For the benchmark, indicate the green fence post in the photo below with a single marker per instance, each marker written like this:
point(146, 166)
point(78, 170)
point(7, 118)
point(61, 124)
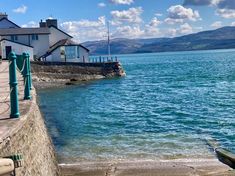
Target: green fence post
point(13, 87)
point(30, 74)
point(26, 78)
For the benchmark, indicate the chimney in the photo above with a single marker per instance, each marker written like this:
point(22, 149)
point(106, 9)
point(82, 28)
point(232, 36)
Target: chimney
point(42, 24)
point(51, 22)
point(3, 15)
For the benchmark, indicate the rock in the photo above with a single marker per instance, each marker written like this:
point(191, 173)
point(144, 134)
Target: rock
point(73, 80)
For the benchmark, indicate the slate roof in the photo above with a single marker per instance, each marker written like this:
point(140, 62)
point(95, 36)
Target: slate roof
point(4, 18)
point(65, 42)
point(15, 42)
point(61, 31)
point(24, 31)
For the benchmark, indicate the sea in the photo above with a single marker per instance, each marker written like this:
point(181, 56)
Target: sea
point(169, 106)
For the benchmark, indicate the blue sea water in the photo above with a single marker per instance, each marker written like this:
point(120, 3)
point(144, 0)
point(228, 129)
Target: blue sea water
point(167, 106)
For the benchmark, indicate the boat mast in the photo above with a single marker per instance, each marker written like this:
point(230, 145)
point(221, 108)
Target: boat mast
point(109, 49)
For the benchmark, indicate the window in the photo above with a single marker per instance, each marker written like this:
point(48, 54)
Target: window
point(70, 52)
point(34, 37)
point(14, 37)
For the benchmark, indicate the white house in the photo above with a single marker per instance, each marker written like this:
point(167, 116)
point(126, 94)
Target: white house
point(46, 42)
point(67, 51)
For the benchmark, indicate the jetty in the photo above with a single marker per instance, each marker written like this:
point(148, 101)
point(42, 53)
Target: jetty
point(177, 167)
point(51, 74)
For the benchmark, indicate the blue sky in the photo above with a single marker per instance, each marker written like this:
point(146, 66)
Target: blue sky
point(87, 19)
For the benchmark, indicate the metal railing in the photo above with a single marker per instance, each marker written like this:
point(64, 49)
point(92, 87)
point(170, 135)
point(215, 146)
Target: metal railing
point(103, 59)
point(22, 64)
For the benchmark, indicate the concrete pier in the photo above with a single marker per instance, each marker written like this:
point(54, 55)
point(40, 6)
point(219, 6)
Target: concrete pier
point(26, 135)
point(180, 167)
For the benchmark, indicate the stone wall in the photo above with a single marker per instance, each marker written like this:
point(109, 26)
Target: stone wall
point(30, 138)
point(78, 71)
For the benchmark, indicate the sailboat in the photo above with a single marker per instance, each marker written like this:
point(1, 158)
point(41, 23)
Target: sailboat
point(109, 47)
point(110, 58)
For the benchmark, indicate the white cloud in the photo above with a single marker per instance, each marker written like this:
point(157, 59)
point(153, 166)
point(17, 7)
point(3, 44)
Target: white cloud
point(178, 14)
point(86, 23)
point(185, 29)
point(22, 9)
point(125, 2)
point(225, 4)
point(151, 32)
point(154, 22)
point(233, 24)
point(225, 8)
point(158, 14)
point(101, 4)
point(30, 24)
point(85, 30)
point(216, 24)
point(198, 29)
point(173, 21)
point(128, 32)
point(151, 29)
point(171, 32)
point(132, 15)
point(226, 13)
point(136, 32)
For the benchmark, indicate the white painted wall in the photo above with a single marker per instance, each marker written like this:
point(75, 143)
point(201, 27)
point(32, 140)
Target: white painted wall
point(83, 53)
point(17, 48)
point(55, 56)
point(80, 52)
point(4, 24)
point(21, 39)
point(56, 36)
point(41, 46)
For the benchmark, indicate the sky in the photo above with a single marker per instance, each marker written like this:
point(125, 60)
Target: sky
point(87, 20)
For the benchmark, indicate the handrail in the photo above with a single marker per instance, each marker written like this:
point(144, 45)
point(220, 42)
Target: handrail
point(22, 64)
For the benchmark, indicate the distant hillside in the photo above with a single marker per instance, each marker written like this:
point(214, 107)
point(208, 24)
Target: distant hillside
point(222, 38)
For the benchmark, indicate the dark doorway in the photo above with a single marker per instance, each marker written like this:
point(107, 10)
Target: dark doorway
point(8, 51)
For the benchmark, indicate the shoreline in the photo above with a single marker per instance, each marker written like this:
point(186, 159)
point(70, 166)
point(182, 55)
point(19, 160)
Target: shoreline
point(41, 84)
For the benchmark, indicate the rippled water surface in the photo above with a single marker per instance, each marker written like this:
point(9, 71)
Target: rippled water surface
point(166, 107)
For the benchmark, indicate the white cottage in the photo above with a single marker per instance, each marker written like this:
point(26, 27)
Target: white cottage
point(67, 51)
point(47, 42)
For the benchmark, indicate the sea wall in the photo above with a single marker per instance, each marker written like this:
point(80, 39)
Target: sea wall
point(28, 136)
point(60, 72)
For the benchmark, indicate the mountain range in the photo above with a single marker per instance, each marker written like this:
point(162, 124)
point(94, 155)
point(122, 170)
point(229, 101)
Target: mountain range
point(222, 38)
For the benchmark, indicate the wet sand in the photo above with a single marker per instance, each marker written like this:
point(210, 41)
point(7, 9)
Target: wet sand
point(185, 167)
